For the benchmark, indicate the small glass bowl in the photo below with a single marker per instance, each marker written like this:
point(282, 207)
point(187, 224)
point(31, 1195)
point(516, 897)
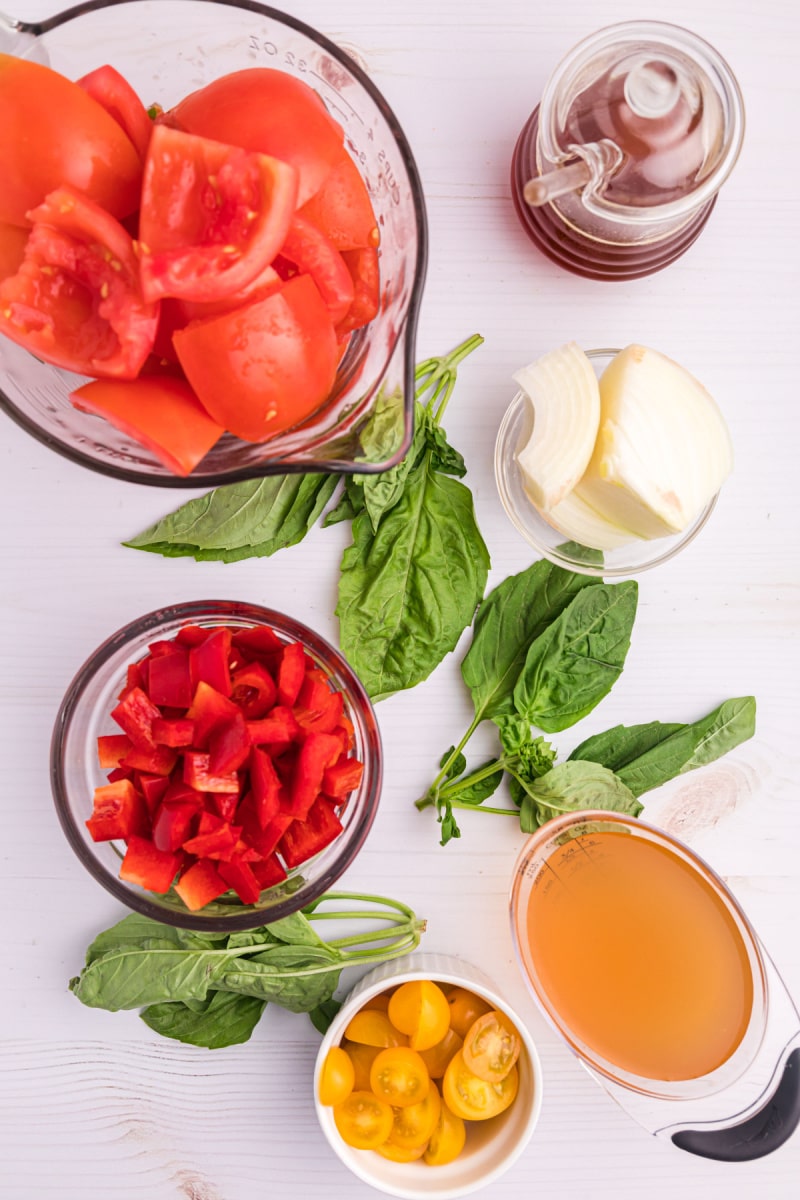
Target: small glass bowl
point(75, 773)
point(492, 1146)
point(526, 518)
point(166, 49)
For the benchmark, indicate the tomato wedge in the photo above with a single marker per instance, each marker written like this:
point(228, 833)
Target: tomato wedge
point(158, 411)
point(269, 111)
point(266, 366)
point(313, 254)
point(113, 93)
point(12, 248)
point(212, 217)
point(365, 271)
point(55, 134)
point(75, 300)
point(342, 209)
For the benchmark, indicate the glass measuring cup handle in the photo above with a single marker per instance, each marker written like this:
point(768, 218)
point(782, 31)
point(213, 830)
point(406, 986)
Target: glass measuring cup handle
point(761, 1133)
point(21, 39)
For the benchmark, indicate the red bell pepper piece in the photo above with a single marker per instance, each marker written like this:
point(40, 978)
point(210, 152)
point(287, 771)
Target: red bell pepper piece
point(318, 752)
point(254, 690)
point(135, 714)
point(269, 871)
point(214, 836)
point(179, 792)
point(172, 825)
point(239, 876)
point(229, 746)
point(278, 729)
point(111, 749)
point(133, 678)
point(197, 773)
point(318, 708)
point(208, 662)
point(260, 642)
point(208, 709)
point(342, 778)
point(291, 673)
point(148, 866)
point(266, 786)
point(266, 841)
point(153, 788)
point(175, 731)
point(119, 773)
point(118, 812)
point(169, 681)
point(191, 635)
point(225, 804)
point(303, 839)
point(159, 761)
point(200, 884)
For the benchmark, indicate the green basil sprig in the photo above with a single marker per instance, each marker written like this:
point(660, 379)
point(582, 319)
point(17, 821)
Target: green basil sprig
point(210, 989)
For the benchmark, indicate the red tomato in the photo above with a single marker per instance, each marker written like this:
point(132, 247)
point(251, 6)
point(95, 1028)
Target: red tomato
point(266, 366)
point(365, 272)
point(268, 111)
point(159, 412)
point(212, 216)
point(313, 254)
point(75, 300)
point(54, 134)
point(113, 93)
point(342, 208)
point(12, 248)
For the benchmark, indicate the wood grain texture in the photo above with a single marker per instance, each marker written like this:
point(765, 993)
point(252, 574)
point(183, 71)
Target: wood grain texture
point(92, 1105)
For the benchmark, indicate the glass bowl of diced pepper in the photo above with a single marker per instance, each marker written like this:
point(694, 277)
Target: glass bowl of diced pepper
point(216, 765)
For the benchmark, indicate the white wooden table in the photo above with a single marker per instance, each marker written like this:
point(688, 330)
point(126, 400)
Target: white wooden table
point(94, 1105)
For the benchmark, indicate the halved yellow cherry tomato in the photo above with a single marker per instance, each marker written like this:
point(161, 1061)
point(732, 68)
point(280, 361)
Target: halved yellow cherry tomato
point(447, 1140)
point(414, 1124)
point(437, 1058)
point(399, 1076)
point(419, 1008)
point(374, 1028)
point(364, 1121)
point(362, 1057)
point(380, 1003)
point(337, 1078)
point(472, 1098)
point(491, 1047)
point(400, 1153)
point(465, 1008)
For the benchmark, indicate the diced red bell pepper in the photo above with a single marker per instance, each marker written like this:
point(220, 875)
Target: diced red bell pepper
point(118, 812)
point(153, 788)
point(342, 778)
point(169, 680)
point(303, 839)
point(225, 804)
point(318, 708)
point(133, 678)
point(318, 752)
point(208, 709)
point(111, 749)
point(201, 884)
point(135, 714)
point(119, 773)
point(266, 841)
point(228, 746)
point(191, 635)
point(172, 825)
point(269, 871)
point(254, 690)
point(159, 761)
point(197, 774)
point(278, 729)
point(149, 867)
point(239, 876)
point(176, 731)
point(208, 662)
point(214, 836)
point(260, 642)
point(266, 786)
point(291, 673)
point(179, 792)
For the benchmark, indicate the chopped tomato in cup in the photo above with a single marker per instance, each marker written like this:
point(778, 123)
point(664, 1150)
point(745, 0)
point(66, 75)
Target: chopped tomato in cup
point(202, 801)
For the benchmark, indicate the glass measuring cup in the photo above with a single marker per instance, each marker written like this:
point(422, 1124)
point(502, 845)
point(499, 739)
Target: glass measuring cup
point(643, 961)
point(166, 49)
point(617, 170)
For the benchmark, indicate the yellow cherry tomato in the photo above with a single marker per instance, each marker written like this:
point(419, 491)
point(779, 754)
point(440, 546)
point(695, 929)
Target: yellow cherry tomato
point(414, 1124)
point(491, 1047)
point(437, 1058)
point(465, 1008)
point(472, 1098)
point(374, 1028)
point(362, 1058)
point(447, 1140)
point(419, 1008)
point(399, 1076)
point(337, 1077)
point(379, 1003)
point(401, 1154)
point(364, 1121)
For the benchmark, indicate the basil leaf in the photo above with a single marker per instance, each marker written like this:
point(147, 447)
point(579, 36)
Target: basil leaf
point(408, 590)
point(472, 790)
point(457, 767)
point(509, 619)
point(133, 976)
point(576, 661)
point(351, 503)
point(693, 745)
point(570, 787)
point(382, 434)
point(290, 976)
point(323, 1014)
point(622, 744)
point(444, 457)
point(295, 929)
point(252, 519)
point(227, 1020)
point(382, 492)
point(130, 931)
